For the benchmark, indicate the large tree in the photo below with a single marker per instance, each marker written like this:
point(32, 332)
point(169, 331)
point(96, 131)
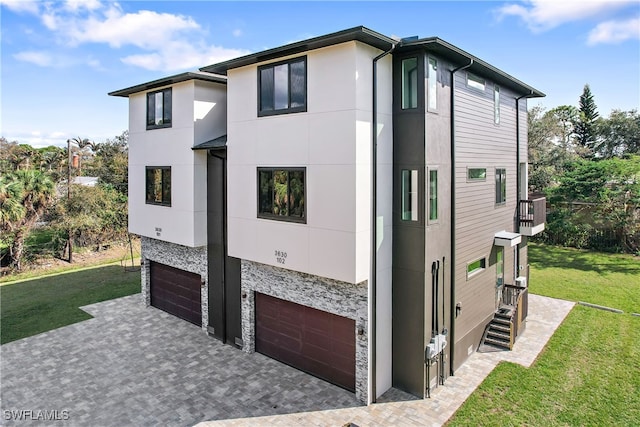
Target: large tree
point(585, 125)
point(619, 134)
point(25, 195)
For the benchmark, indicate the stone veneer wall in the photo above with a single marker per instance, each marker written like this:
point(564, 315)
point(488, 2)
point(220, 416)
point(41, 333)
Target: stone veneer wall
point(184, 258)
point(340, 298)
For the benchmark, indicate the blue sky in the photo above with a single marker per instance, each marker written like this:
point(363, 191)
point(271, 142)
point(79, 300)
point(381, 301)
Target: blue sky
point(60, 59)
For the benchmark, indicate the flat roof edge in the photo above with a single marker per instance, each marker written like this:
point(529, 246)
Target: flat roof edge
point(177, 78)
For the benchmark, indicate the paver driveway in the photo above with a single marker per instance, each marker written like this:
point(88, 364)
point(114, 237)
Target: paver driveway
point(131, 365)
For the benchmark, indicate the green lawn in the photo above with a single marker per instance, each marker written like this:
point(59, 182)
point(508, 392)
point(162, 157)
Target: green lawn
point(612, 280)
point(42, 304)
point(589, 373)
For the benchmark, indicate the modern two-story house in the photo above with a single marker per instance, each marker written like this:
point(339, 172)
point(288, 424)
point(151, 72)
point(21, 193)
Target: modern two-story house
point(352, 205)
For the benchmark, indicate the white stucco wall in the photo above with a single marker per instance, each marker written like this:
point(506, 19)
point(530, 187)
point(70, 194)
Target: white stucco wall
point(198, 114)
point(333, 141)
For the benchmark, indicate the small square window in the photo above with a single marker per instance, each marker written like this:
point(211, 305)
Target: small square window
point(282, 87)
point(159, 109)
point(476, 267)
point(475, 82)
point(158, 185)
point(476, 174)
point(281, 194)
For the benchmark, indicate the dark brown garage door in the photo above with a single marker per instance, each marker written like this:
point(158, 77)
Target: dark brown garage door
point(311, 340)
point(176, 291)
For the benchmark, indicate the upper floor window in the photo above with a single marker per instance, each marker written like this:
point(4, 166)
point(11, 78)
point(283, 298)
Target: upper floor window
point(475, 81)
point(159, 109)
point(158, 185)
point(496, 104)
point(433, 84)
point(281, 194)
point(409, 190)
point(282, 87)
point(476, 267)
point(501, 186)
point(409, 83)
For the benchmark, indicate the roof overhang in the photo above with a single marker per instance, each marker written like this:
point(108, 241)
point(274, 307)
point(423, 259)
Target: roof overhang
point(165, 81)
point(360, 33)
point(507, 239)
point(214, 144)
point(459, 57)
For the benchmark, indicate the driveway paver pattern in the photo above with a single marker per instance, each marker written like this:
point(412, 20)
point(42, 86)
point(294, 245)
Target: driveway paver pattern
point(132, 365)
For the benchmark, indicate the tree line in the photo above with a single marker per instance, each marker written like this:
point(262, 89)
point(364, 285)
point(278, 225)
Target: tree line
point(588, 166)
point(41, 201)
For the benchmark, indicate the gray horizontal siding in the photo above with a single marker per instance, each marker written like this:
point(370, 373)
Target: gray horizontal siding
point(481, 143)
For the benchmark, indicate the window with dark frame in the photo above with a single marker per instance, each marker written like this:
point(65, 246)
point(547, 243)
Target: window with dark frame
point(409, 202)
point(281, 194)
point(409, 83)
point(158, 185)
point(282, 87)
point(433, 84)
point(159, 109)
point(433, 195)
point(501, 186)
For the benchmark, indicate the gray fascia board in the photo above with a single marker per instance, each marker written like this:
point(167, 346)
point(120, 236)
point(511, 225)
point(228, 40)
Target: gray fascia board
point(360, 33)
point(460, 57)
point(165, 81)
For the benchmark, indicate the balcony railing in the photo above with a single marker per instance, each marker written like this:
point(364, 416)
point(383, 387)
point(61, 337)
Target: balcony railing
point(533, 214)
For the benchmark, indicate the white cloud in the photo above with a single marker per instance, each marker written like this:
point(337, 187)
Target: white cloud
point(615, 31)
point(542, 15)
point(21, 5)
point(237, 32)
point(43, 59)
point(181, 55)
point(165, 41)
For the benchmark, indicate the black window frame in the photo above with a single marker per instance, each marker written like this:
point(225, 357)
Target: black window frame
point(406, 86)
point(289, 109)
point(163, 191)
point(167, 107)
point(433, 214)
point(501, 186)
point(276, 217)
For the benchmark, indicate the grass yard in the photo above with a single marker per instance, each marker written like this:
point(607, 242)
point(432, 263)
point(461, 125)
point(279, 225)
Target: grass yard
point(589, 373)
point(41, 304)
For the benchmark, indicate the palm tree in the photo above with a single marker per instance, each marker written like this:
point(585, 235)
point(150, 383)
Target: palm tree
point(24, 196)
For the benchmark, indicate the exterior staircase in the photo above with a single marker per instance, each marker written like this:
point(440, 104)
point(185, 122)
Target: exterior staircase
point(509, 319)
point(498, 332)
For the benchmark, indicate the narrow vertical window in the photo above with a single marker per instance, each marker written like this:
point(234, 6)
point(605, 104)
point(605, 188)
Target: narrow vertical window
point(433, 84)
point(409, 83)
point(433, 194)
point(496, 104)
point(500, 266)
point(159, 109)
point(501, 186)
point(409, 195)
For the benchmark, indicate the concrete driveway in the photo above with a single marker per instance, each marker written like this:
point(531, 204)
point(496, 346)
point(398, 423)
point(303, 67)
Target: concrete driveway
point(132, 365)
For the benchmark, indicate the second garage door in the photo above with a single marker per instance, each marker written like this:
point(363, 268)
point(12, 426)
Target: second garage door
point(314, 341)
point(176, 291)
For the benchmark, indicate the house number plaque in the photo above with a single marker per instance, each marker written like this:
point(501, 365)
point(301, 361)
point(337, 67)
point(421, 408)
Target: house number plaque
point(281, 256)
